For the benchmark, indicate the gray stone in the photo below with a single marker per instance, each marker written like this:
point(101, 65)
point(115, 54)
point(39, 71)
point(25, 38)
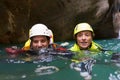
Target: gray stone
point(61, 16)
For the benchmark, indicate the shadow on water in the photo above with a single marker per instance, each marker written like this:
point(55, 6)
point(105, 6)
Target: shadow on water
point(59, 69)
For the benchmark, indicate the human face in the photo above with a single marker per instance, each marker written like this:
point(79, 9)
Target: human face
point(39, 42)
point(84, 39)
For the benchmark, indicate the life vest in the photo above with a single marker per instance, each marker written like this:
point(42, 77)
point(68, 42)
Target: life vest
point(57, 47)
point(27, 45)
point(94, 47)
point(79, 57)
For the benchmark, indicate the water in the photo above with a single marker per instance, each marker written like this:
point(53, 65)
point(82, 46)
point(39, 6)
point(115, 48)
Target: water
point(103, 69)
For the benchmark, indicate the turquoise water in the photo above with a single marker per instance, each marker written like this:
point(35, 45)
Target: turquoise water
point(103, 69)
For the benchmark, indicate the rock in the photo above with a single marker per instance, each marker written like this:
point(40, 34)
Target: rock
point(60, 16)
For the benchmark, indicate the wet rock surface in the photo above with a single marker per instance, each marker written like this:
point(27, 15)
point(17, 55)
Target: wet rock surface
point(60, 16)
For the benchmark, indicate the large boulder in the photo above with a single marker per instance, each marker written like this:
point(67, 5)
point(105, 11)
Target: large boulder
point(61, 16)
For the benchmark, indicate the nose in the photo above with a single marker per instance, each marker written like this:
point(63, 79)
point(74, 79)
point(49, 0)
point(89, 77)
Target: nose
point(39, 45)
point(83, 37)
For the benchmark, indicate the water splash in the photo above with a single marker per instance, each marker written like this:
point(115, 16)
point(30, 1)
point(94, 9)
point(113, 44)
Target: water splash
point(114, 76)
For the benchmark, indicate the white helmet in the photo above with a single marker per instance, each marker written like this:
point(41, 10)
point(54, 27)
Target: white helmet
point(39, 29)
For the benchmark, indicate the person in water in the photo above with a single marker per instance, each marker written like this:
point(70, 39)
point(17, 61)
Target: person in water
point(40, 41)
point(39, 30)
point(39, 37)
point(28, 42)
point(83, 46)
point(83, 35)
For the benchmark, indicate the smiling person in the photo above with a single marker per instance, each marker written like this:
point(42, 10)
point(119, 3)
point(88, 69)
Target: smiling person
point(83, 47)
point(36, 30)
point(41, 45)
point(39, 37)
point(83, 34)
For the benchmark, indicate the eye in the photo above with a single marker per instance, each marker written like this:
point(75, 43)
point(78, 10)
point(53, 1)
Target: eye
point(87, 34)
point(79, 35)
point(43, 41)
point(35, 41)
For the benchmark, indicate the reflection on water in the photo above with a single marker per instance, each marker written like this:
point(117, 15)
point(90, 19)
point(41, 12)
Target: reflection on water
point(114, 76)
point(45, 70)
point(59, 69)
point(85, 68)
